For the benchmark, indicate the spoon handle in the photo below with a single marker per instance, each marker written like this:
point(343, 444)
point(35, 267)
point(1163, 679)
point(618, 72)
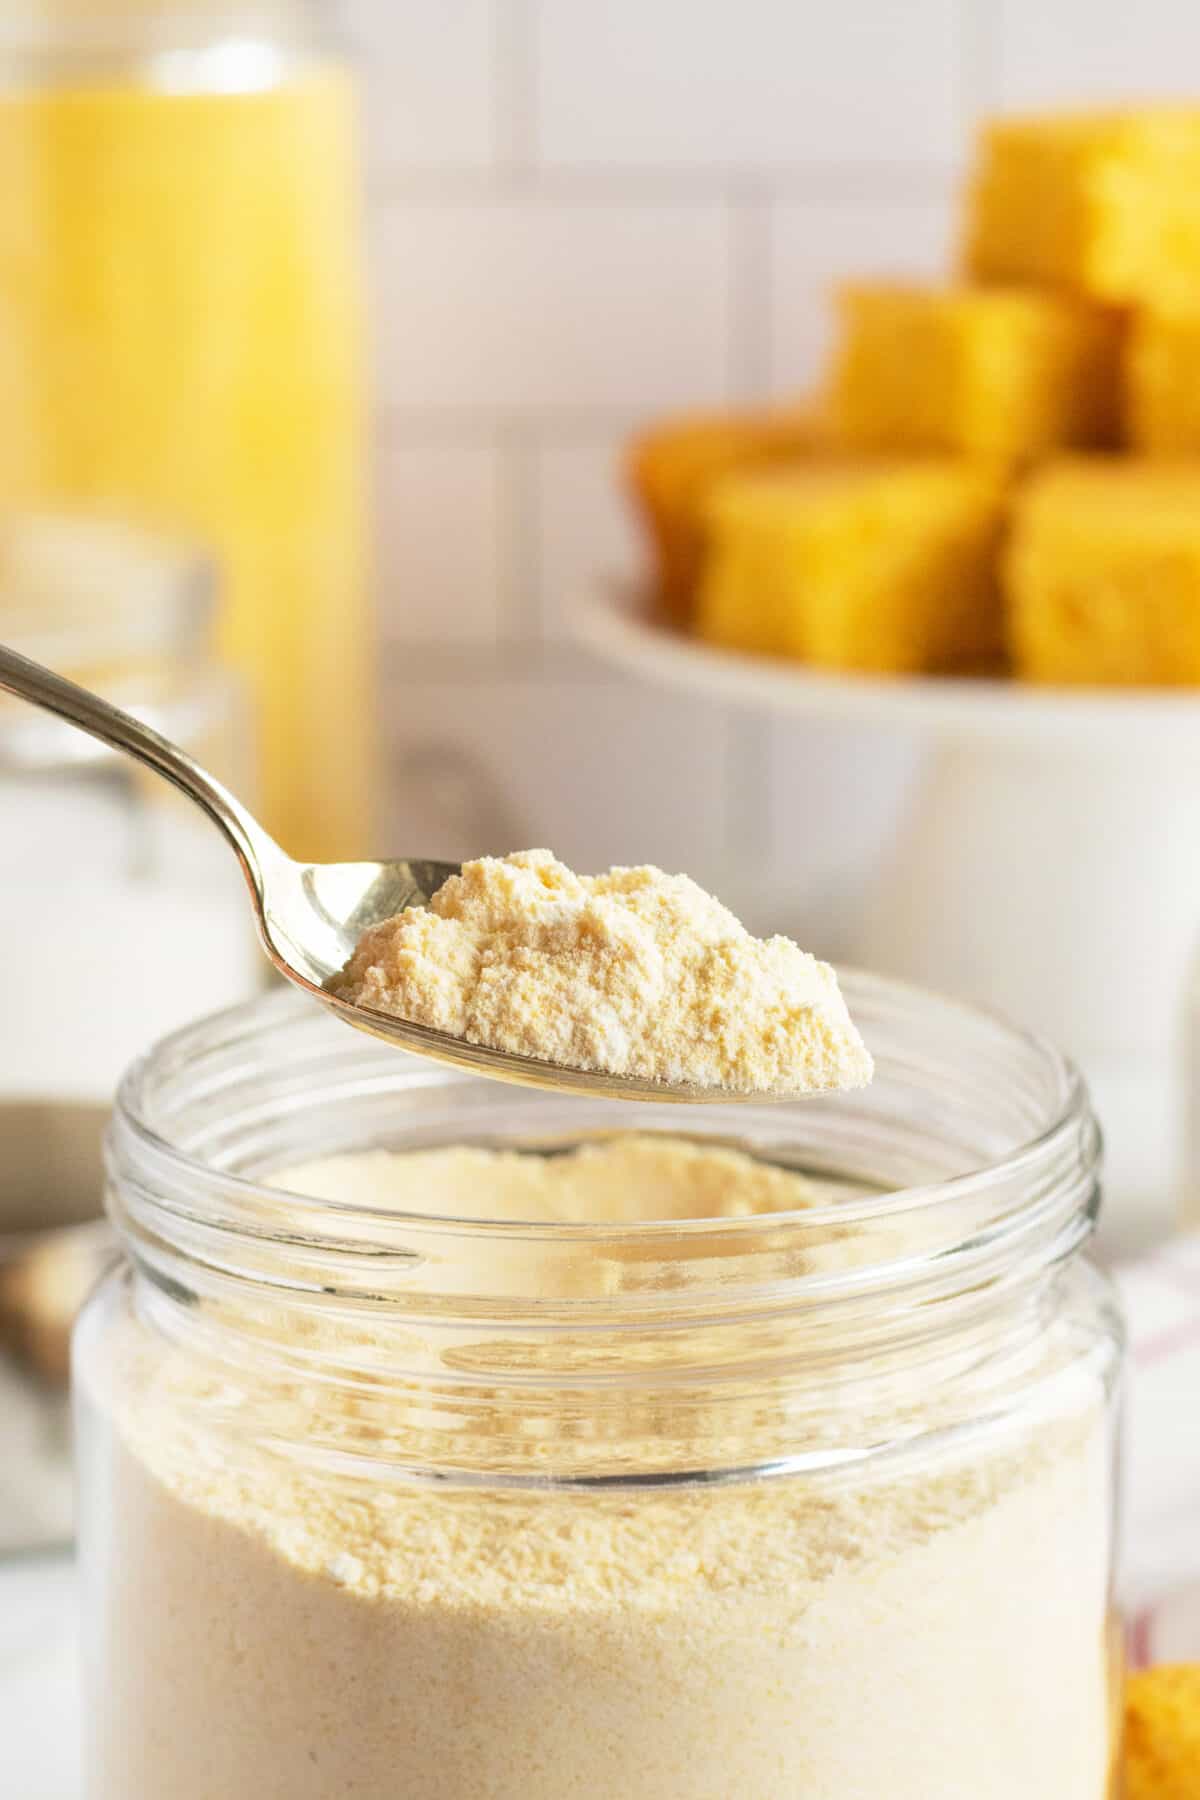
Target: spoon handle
point(30, 681)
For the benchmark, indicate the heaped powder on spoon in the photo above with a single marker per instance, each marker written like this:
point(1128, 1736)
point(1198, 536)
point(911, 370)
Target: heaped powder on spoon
point(634, 972)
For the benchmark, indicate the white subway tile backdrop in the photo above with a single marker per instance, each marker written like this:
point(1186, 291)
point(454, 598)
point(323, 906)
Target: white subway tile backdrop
point(584, 525)
point(1092, 50)
point(489, 761)
point(530, 306)
point(760, 84)
point(430, 71)
point(442, 526)
point(587, 211)
point(816, 243)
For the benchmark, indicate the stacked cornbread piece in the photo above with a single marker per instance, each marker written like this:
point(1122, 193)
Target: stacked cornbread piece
point(1003, 469)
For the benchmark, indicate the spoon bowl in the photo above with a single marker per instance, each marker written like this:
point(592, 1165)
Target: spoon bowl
point(337, 902)
point(310, 916)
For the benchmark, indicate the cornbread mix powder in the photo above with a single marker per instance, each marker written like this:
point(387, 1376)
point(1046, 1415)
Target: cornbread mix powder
point(631, 973)
point(274, 1633)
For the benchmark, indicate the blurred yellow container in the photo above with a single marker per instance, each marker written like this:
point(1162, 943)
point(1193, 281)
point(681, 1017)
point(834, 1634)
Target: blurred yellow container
point(181, 342)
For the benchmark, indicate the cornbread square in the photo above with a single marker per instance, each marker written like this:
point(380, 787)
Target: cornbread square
point(1102, 573)
point(1162, 383)
point(671, 470)
point(1162, 1732)
point(1106, 203)
point(1004, 372)
point(885, 567)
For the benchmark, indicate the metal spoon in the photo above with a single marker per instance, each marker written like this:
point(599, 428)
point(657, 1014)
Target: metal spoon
point(310, 916)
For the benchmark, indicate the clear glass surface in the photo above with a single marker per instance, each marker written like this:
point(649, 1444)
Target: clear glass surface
point(121, 916)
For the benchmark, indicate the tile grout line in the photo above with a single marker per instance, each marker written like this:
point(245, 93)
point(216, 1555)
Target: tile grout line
point(745, 833)
point(467, 427)
point(519, 602)
point(979, 56)
point(481, 664)
point(517, 167)
point(748, 210)
point(515, 95)
point(747, 829)
point(767, 258)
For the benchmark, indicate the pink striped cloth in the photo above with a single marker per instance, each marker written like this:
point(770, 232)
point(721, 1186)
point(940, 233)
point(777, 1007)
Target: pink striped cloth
point(1160, 1579)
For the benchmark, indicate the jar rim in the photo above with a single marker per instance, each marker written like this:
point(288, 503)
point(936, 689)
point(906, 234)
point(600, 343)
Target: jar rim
point(462, 1341)
point(179, 1179)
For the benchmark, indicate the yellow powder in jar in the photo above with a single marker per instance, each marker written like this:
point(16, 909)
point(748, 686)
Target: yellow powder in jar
point(278, 1628)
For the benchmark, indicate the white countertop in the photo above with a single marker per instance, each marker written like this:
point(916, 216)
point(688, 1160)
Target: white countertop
point(39, 1689)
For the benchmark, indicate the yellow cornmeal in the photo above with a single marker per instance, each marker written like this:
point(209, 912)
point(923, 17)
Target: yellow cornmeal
point(610, 1180)
point(630, 973)
point(276, 1633)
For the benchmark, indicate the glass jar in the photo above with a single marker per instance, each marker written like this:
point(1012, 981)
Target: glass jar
point(181, 340)
point(452, 1498)
point(122, 915)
